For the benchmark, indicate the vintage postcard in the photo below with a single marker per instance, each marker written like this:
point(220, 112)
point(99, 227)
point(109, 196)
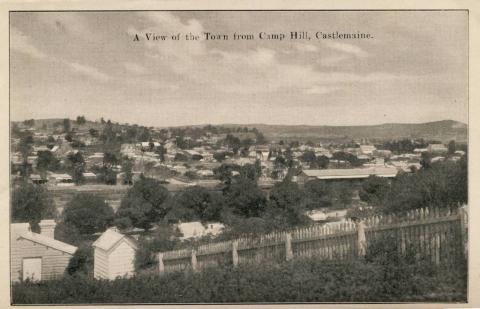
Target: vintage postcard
point(239, 157)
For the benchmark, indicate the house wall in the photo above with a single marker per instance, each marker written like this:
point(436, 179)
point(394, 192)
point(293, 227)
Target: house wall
point(100, 264)
point(121, 260)
point(54, 261)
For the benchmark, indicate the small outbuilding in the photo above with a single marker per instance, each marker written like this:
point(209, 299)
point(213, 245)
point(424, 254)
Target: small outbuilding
point(114, 255)
point(38, 256)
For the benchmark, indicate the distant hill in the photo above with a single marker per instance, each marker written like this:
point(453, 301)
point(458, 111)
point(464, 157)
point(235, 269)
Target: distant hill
point(444, 130)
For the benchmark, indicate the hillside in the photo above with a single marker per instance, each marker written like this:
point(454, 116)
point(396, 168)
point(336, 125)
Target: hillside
point(444, 130)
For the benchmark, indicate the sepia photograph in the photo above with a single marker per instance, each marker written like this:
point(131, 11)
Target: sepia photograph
point(238, 157)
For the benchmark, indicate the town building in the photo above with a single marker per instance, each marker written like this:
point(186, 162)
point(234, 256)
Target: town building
point(346, 174)
point(437, 148)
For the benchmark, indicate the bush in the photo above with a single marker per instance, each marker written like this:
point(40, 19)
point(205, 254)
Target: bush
point(302, 280)
point(81, 261)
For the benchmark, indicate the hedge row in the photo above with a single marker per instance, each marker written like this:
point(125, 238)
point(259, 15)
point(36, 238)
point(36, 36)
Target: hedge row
point(297, 281)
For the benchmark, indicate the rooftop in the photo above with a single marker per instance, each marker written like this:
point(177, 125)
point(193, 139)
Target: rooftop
point(352, 173)
point(49, 242)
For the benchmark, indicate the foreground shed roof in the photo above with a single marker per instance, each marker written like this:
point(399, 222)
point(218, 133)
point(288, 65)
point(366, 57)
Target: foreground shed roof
point(49, 242)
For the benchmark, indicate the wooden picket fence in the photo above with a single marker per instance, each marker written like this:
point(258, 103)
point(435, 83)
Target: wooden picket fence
point(435, 234)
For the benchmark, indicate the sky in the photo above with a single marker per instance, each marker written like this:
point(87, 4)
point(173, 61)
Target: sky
point(413, 69)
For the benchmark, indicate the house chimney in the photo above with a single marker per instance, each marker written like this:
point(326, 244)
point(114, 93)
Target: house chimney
point(18, 229)
point(47, 228)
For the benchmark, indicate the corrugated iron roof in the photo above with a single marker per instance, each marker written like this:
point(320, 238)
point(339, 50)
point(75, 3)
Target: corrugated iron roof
point(49, 242)
point(352, 172)
point(109, 239)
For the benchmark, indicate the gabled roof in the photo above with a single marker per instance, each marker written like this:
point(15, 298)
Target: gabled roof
point(109, 239)
point(191, 229)
point(49, 242)
point(352, 173)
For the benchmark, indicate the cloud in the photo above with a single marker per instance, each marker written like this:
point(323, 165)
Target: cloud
point(71, 23)
point(21, 43)
point(332, 60)
point(179, 54)
point(347, 48)
point(87, 71)
point(320, 89)
point(134, 68)
point(261, 71)
point(245, 71)
point(306, 47)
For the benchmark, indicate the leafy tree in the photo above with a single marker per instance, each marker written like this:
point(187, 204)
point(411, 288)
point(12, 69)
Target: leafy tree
point(195, 203)
point(47, 161)
point(180, 157)
point(225, 173)
point(308, 156)
point(341, 193)
point(443, 184)
point(245, 198)
point(25, 147)
point(197, 157)
point(77, 166)
point(93, 132)
point(322, 162)
point(162, 239)
point(452, 147)
point(317, 194)
point(374, 190)
point(426, 160)
point(69, 137)
point(29, 122)
point(191, 175)
point(66, 125)
point(233, 142)
point(109, 162)
point(219, 156)
point(161, 151)
point(108, 134)
point(31, 203)
point(88, 213)
point(237, 227)
point(144, 204)
point(77, 144)
point(68, 234)
point(81, 120)
point(286, 205)
point(280, 163)
point(81, 262)
point(127, 169)
point(348, 157)
point(251, 171)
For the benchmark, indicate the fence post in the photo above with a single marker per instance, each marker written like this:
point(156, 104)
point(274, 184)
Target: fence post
point(161, 266)
point(288, 247)
point(235, 253)
point(361, 239)
point(194, 260)
point(463, 214)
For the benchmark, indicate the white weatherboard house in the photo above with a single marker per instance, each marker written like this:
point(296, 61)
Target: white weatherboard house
point(37, 256)
point(114, 255)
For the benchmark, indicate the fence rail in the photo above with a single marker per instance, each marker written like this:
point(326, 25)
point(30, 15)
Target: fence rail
point(439, 235)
